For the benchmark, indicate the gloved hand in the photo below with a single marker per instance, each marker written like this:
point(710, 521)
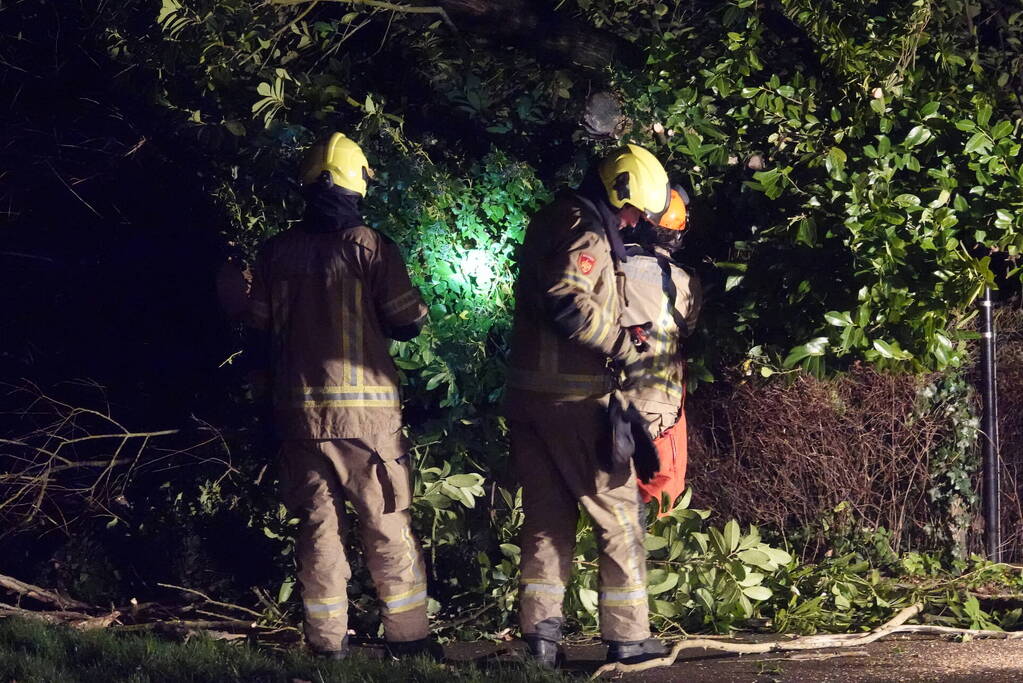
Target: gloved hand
point(630, 439)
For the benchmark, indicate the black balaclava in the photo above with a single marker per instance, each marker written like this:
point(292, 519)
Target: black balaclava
point(329, 208)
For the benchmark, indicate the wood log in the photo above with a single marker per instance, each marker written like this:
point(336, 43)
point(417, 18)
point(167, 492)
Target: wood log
point(41, 594)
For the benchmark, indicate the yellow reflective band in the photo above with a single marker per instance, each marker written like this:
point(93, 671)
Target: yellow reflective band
point(324, 613)
point(317, 397)
point(352, 403)
point(319, 391)
point(410, 606)
point(403, 602)
point(577, 282)
point(622, 596)
point(398, 596)
point(623, 603)
point(596, 329)
point(325, 601)
point(550, 588)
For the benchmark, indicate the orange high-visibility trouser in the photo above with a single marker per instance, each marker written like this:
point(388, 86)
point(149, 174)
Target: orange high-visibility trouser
point(317, 477)
point(555, 456)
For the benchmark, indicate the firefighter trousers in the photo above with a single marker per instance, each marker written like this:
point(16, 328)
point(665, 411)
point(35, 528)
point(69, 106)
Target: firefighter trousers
point(555, 455)
point(317, 477)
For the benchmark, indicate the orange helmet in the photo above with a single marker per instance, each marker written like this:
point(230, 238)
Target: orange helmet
point(674, 218)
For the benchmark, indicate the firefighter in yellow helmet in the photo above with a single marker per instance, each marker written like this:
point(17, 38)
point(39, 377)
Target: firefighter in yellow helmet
point(328, 294)
point(567, 349)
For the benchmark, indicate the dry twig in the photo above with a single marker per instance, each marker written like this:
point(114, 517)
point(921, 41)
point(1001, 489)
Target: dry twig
point(71, 458)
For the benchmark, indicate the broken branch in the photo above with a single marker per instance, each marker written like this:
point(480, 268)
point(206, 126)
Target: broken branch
point(805, 643)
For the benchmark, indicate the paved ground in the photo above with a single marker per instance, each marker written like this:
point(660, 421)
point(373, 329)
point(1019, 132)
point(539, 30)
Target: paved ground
point(896, 659)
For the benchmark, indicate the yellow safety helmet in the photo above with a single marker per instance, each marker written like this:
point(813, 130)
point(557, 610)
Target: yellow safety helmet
point(632, 175)
point(342, 158)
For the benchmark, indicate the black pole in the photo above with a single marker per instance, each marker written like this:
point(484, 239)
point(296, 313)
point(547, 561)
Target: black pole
point(992, 474)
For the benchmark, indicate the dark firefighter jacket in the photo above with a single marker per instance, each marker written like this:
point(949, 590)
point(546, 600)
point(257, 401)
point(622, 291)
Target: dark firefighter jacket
point(566, 325)
point(330, 300)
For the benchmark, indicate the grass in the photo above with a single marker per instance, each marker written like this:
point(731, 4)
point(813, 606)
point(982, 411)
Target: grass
point(34, 652)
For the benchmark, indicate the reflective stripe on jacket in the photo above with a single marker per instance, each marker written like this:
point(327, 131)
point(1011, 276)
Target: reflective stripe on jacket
point(328, 300)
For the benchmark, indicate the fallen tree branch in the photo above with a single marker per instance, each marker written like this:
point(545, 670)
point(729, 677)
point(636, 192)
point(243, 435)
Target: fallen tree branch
point(211, 601)
point(49, 616)
point(41, 594)
point(804, 643)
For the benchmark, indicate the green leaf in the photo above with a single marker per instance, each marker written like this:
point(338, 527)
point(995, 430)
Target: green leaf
point(652, 542)
point(979, 141)
point(588, 599)
point(752, 579)
point(669, 581)
point(285, 591)
point(731, 535)
point(718, 540)
point(814, 347)
point(705, 598)
point(665, 609)
point(757, 558)
point(463, 481)
point(778, 556)
point(839, 318)
point(916, 136)
point(1001, 129)
point(757, 592)
point(891, 350)
point(984, 114)
point(510, 550)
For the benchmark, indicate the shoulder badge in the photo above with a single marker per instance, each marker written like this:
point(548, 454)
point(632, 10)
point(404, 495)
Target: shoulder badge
point(586, 263)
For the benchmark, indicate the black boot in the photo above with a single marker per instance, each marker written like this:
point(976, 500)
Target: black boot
point(424, 647)
point(544, 652)
point(334, 654)
point(635, 651)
